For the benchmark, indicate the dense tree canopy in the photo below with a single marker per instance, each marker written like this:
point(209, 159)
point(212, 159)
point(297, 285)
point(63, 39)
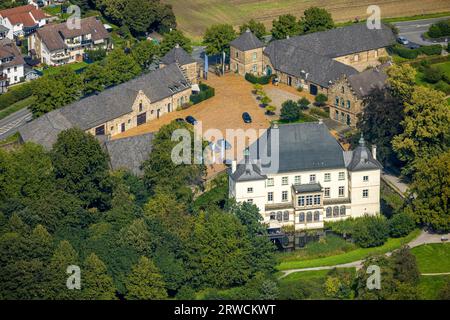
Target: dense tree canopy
point(217, 38)
point(285, 25)
point(257, 28)
point(316, 19)
point(172, 38)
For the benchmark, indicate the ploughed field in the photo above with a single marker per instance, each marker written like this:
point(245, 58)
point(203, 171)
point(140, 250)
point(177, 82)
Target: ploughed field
point(194, 16)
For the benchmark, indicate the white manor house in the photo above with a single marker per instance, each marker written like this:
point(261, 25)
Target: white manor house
point(315, 180)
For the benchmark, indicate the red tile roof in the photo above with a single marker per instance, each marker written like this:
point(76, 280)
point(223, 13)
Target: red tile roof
point(24, 15)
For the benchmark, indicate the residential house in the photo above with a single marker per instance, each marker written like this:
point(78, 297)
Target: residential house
point(116, 109)
point(246, 54)
point(11, 63)
point(314, 61)
point(346, 95)
point(57, 44)
point(315, 180)
point(21, 21)
point(187, 64)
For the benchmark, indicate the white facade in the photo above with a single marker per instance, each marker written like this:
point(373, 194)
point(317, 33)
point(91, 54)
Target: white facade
point(307, 198)
point(13, 73)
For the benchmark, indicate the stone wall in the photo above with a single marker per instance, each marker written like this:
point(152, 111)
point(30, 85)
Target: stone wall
point(344, 104)
point(243, 62)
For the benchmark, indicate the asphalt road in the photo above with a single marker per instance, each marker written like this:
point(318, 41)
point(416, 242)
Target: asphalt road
point(413, 30)
point(12, 123)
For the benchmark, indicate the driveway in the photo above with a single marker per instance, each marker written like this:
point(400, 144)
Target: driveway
point(233, 96)
point(413, 30)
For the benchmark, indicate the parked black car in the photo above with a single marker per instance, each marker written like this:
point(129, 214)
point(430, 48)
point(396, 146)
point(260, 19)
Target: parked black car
point(179, 120)
point(246, 117)
point(191, 120)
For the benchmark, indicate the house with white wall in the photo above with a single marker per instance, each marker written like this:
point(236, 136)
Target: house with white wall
point(314, 181)
point(57, 44)
point(11, 63)
point(21, 21)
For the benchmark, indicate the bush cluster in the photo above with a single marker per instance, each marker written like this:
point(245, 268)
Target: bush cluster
point(15, 94)
point(260, 80)
point(373, 231)
point(206, 92)
point(440, 29)
point(406, 53)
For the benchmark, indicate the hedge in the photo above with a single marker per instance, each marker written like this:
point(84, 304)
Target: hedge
point(406, 53)
point(254, 79)
point(15, 94)
point(206, 92)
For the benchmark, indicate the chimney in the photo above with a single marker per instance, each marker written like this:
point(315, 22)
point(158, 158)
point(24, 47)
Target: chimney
point(287, 37)
point(374, 151)
point(320, 121)
point(233, 166)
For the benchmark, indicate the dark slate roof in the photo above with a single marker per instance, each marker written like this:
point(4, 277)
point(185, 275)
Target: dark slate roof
point(363, 83)
point(247, 41)
point(247, 172)
point(129, 153)
point(307, 188)
point(313, 53)
point(45, 129)
point(107, 105)
point(301, 147)
point(344, 40)
point(177, 55)
point(361, 159)
point(293, 60)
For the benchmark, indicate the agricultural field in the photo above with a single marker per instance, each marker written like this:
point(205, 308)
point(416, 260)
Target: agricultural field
point(193, 16)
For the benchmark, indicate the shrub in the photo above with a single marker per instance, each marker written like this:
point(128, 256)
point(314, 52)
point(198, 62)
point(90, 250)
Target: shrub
point(370, 231)
point(434, 49)
point(265, 100)
point(319, 112)
point(259, 80)
point(401, 224)
point(206, 92)
point(443, 86)
point(290, 111)
point(320, 99)
point(270, 110)
point(15, 94)
point(433, 74)
point(439, 29)
point(404, 52)
point(96, 55)
point(303, 103)
point(448, 47)
point(384, 59)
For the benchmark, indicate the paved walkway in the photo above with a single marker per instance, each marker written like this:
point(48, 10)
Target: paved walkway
point(395, 182)
point(423, 238)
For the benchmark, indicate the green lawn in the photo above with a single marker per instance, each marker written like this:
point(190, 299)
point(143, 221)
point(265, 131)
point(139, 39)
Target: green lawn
point(74, 66)
point(328, 246)
point(303, 275)
point(448, 101)
point(354, 255)
point(430, 286)
point(433, 258)
point(16, 107)
point(444, 66)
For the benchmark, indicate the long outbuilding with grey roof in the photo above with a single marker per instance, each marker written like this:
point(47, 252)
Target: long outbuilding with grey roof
point(116, 109)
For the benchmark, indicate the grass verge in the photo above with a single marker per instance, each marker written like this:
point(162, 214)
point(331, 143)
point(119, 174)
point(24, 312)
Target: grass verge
point(354, 255)
point(431, 286)
point(16, 107)
point(433, 258)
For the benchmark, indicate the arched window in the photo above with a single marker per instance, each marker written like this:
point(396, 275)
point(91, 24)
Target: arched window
point(309, 216)
point(273, 216)
point(342, 210)
point(280, 216)
point(342, 89)
point(328, 211)
point(348, 104)
point(336, 102)
point(316, 215)
point(301, 217)
point(342, 102)
point(336, 211)
point(286, 216)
